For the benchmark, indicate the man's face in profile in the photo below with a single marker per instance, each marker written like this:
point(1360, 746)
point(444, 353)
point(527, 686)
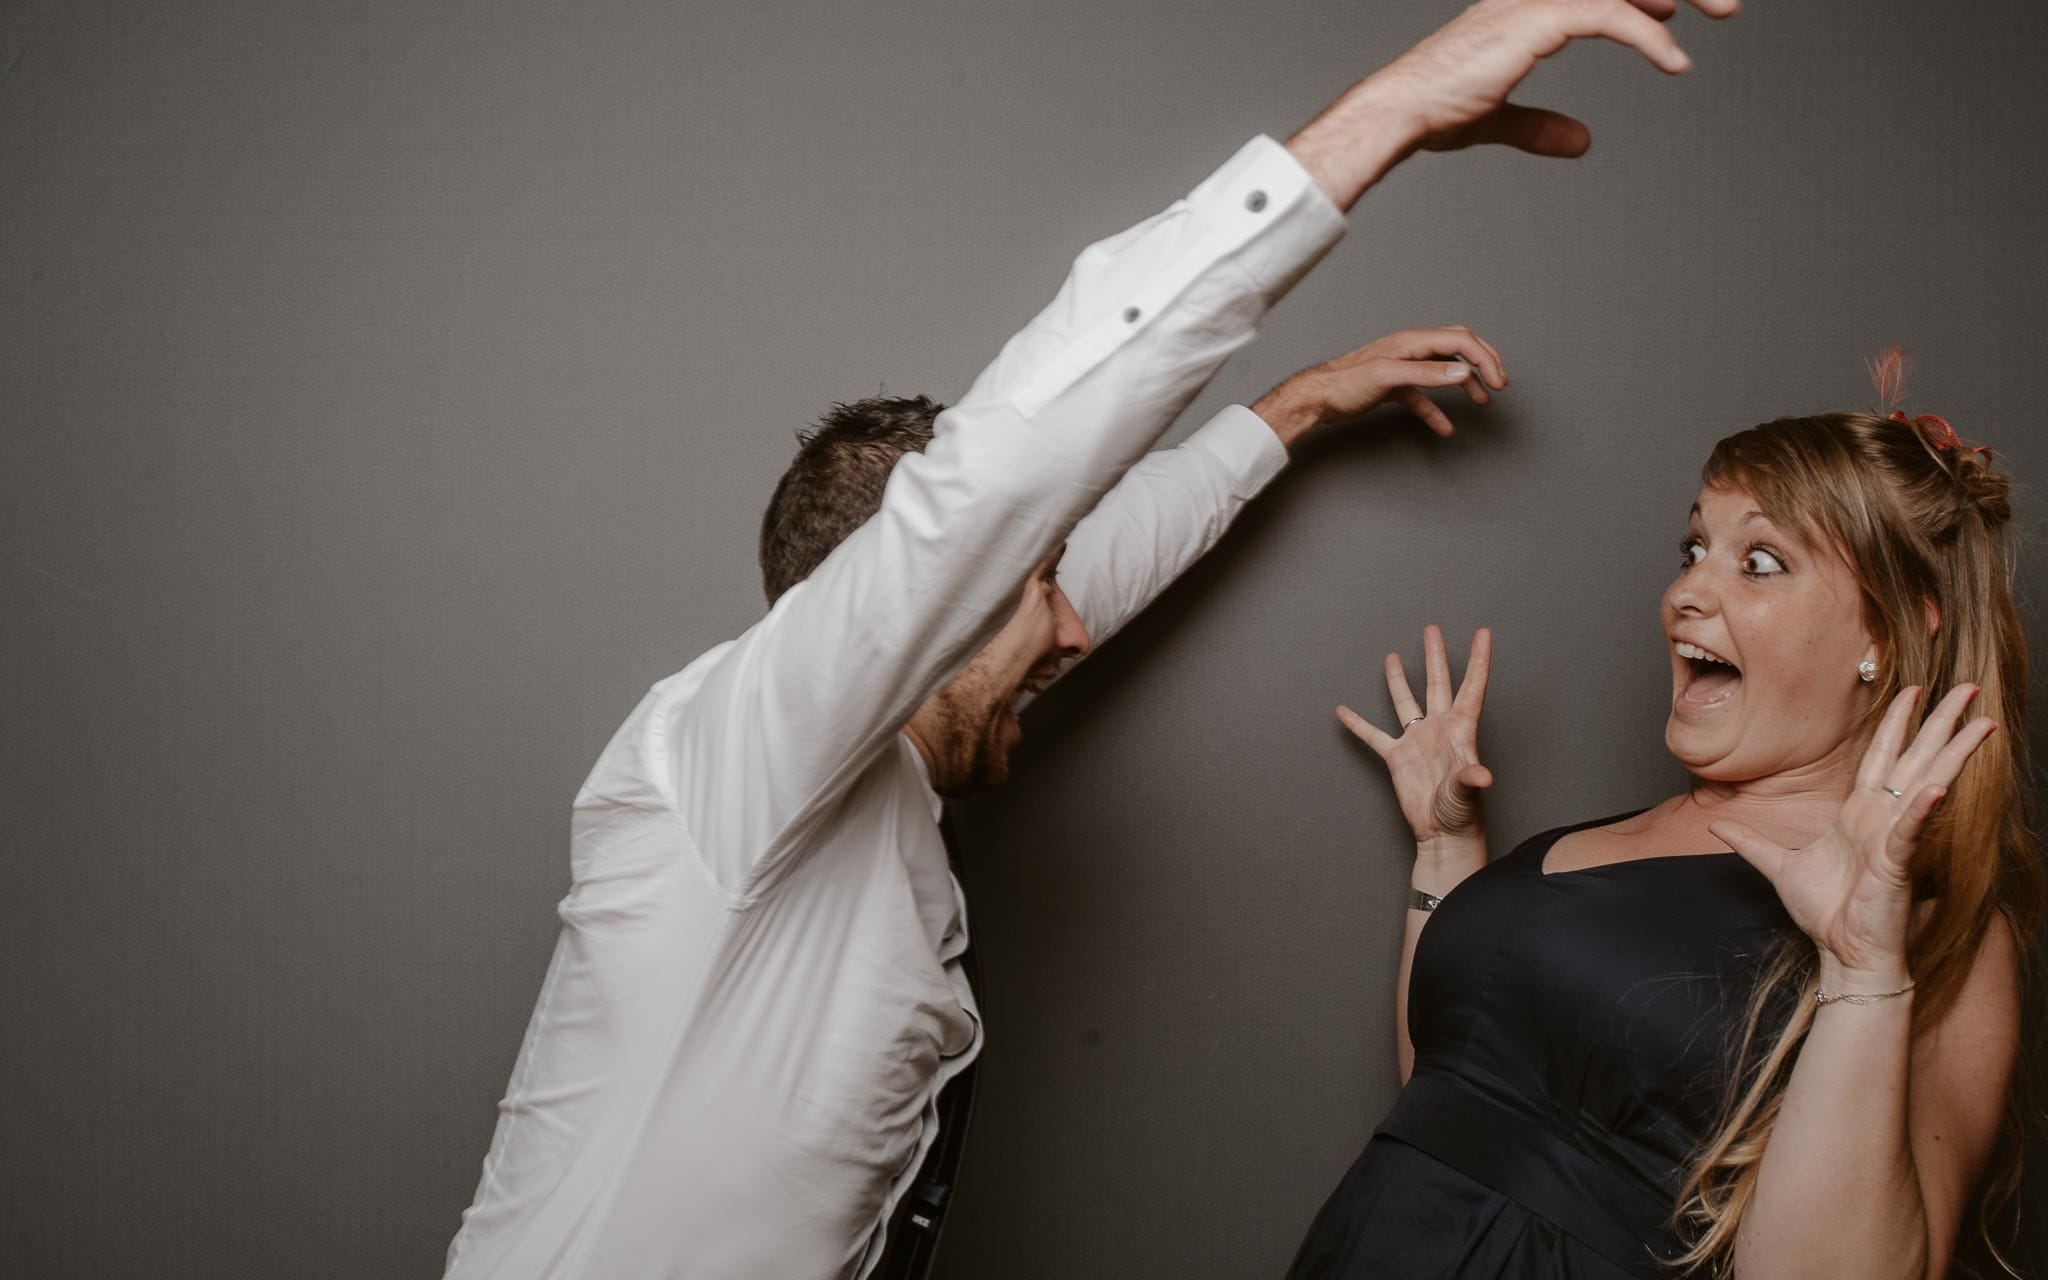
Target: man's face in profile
point(968, 728)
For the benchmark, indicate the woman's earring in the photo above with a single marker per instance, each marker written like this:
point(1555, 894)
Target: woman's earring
point(1866, 670)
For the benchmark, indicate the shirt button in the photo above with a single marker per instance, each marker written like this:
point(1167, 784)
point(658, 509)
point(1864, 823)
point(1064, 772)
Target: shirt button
point(1131, 315)
point(1256, 201)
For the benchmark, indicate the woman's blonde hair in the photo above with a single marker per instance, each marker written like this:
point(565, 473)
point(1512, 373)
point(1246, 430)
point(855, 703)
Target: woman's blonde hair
point(1920, 518)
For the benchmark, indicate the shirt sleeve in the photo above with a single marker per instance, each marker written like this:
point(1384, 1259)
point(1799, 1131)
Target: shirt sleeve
point(1165, 514)
point(754, 743)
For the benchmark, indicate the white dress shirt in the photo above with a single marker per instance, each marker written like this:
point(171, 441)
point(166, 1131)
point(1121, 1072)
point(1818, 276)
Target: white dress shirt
point(732, 1067)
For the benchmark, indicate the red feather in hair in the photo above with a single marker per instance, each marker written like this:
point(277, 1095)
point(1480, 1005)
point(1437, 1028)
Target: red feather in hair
point(1888, 373)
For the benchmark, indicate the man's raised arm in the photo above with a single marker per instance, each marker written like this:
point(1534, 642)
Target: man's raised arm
point(1175, 504)
point(752, 744)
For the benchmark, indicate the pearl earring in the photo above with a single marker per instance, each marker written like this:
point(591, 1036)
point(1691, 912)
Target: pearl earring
point(1866, 671)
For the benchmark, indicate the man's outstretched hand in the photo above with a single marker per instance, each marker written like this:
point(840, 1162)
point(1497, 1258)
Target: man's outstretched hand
point(1396, 368)
point(1451, 90)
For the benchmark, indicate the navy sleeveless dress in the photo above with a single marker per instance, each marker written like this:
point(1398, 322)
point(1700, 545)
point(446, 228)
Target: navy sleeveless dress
point(1572, 1039)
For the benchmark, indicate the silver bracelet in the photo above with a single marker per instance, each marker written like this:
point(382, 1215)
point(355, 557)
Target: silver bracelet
point(1857, 997)
point(1420, 901)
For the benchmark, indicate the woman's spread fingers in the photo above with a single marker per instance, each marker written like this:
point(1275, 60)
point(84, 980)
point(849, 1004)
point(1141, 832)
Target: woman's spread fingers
point(1883, 751)
point(1397, 687)
point(1436, 665)
point(1472, 693)
point(1754, 848)
point(1949, 761)
point(1935, 733)
point(1365, 731)
point(1906, 831)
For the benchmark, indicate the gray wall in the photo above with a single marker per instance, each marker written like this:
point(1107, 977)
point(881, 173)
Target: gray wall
point(389, 392)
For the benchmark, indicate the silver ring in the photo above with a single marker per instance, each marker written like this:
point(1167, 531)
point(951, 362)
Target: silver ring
point(1417, 720)
point(1896, 795)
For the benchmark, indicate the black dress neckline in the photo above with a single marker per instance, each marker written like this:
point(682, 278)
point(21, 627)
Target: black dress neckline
point(1542, 845)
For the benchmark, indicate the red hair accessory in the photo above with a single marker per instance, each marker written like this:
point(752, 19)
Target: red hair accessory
point(1888, 374)
point(1935, 429)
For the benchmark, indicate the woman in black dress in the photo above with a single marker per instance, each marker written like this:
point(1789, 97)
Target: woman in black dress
point(1769, 1026)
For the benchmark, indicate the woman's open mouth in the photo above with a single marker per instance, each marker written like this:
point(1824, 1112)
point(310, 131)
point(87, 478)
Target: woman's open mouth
point(1711, 681)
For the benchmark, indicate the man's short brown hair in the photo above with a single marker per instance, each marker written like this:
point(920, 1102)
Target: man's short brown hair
point(836, 482)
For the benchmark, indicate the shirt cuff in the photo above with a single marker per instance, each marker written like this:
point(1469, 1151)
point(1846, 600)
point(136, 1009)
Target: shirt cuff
point(1264, 183)
point(1246, 446)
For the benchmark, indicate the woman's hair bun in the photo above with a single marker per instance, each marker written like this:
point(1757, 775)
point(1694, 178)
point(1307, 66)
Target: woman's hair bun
point(1980, 487)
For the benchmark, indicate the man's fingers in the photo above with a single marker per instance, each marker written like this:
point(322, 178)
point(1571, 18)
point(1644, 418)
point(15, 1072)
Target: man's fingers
point(1625, 23)
point(1451, 340)
point(1365, 731)
point(1424, 408)
point(1498, 373)
point(1531, 129)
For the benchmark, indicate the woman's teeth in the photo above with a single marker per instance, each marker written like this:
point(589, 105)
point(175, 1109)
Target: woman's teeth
point(1698, 654)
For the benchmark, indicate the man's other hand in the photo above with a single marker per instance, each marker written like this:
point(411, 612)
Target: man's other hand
point(1396, 368)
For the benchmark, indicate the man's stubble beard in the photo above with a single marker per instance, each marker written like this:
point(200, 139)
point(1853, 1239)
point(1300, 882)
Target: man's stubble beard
point(969, 755)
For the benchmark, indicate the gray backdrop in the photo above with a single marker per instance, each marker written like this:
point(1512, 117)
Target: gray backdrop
point(390, 391)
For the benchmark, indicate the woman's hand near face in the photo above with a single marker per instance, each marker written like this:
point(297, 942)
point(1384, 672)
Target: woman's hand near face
point(1849, 890)
point(1434, 760)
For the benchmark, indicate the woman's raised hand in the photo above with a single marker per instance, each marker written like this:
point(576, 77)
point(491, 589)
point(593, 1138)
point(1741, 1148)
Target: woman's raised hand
point(1850, 889)
point(1434, 760)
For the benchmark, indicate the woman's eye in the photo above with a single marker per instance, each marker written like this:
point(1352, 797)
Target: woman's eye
point(1761, 562)
point(1690, 552)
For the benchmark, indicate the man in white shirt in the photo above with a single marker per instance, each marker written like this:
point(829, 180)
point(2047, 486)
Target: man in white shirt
point(756, 997)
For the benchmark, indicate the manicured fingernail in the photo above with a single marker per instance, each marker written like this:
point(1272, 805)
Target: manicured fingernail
point(1457, 372)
